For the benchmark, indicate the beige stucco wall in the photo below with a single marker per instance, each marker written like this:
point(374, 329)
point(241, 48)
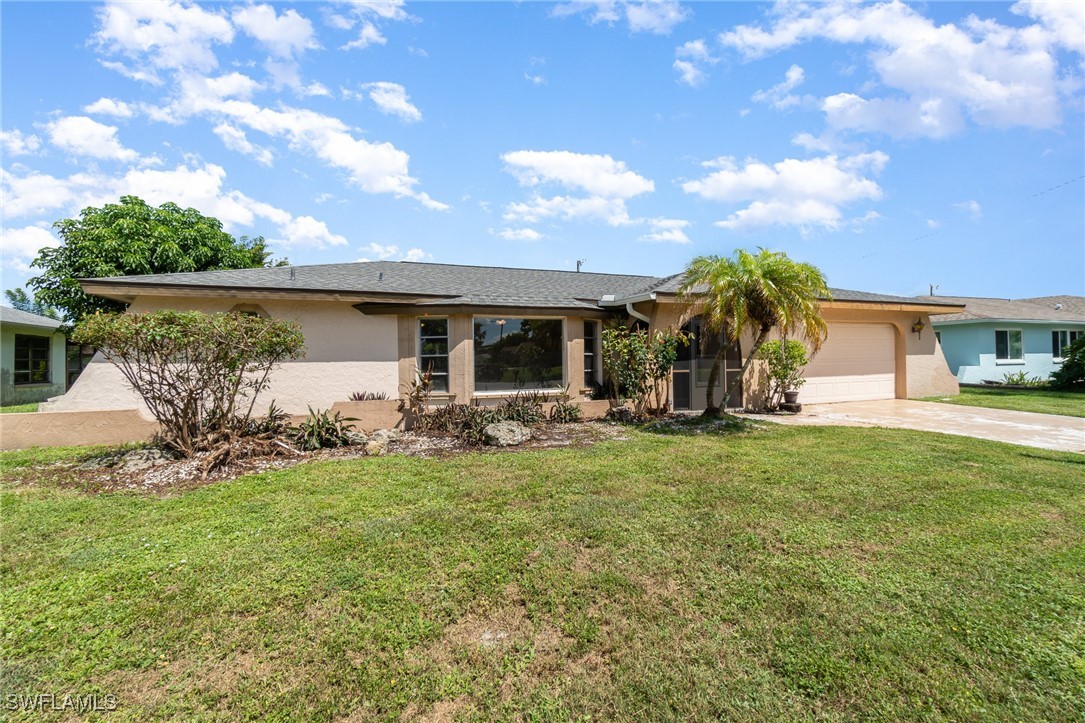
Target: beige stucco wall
point(346, 352)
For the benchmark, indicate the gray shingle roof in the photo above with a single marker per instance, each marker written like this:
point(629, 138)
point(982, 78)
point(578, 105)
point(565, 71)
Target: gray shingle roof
point(9, 315)
point(449, 284)
point(1036, 309)
point(670, 285)
point(444, 283)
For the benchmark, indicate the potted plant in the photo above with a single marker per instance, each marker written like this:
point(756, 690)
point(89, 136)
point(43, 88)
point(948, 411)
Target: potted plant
point(784, 362)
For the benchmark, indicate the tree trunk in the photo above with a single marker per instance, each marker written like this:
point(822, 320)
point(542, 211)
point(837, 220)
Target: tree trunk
point(764, 332)
point(711, 410)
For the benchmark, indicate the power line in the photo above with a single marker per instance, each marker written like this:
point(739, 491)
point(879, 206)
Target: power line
point(1064, 183)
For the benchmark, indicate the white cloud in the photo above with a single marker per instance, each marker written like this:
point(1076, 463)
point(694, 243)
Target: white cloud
point(15, 143)
point(372, 167)
point(810, 142)
point(935, 74)
point(597, 174)
point(307, 231)
point(143, 76)
point(779, 96)
point(111, 107)
point(391, 99)
point(19, 246)
point(202, 188)
point(392, 253)
point(690, 60)
point(283, 35)
point(667, 230)
point(804, 194)
point(975, 211)
point(367, 14)
point(519, 234)
point(85, 137)
point(236, 140)
point(535, 79)
point(933, 223)
point(1064, 21)
point(657, 16)
point(607, 183)
point(165, 35)
point(652, 16)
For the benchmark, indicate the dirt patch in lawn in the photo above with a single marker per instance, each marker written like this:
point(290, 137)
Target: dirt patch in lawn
point(93, 476)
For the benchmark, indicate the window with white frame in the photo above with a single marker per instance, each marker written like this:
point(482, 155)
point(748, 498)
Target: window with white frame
point(591, 352)
point(1062, 338)
point(513, 354)
point(433, 352)
point(1008, 345)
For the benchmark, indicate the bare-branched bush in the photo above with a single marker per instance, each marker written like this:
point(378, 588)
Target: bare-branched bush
point(199, 374)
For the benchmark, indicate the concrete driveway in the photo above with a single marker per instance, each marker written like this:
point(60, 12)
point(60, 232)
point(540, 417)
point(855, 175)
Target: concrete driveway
point(1047, 431)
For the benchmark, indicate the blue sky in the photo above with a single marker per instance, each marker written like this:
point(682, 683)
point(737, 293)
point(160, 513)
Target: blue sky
point(893, 145)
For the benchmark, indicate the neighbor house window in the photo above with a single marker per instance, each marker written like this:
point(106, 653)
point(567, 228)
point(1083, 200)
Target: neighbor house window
point(514, 354)
point(433, 351)
point(591, 353)
point(1062, 339)
point(1008, 345)
point(31, 359)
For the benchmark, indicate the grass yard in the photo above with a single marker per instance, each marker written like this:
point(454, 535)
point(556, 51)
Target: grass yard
point(793, 572)
point(19, 408)
point(1043, 401)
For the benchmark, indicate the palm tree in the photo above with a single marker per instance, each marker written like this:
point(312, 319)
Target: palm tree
point(762, 292)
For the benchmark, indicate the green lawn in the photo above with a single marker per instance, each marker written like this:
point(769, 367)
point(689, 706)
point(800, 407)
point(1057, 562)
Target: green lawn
point(19, 408)
point(1044, 401)
point(793, 572)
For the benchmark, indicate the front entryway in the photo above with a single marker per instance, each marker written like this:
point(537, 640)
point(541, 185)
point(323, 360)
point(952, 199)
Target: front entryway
point(694, 364)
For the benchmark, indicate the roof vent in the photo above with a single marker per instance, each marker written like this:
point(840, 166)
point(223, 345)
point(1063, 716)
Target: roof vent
point(291, 273)
point(380, 276)
point(1058, 307)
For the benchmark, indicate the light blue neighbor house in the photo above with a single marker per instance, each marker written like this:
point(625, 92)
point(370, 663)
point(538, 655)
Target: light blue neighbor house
point(995, 337)
point(33, 357)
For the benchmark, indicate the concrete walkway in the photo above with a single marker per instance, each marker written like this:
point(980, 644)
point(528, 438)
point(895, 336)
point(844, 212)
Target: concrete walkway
point(1047, 431)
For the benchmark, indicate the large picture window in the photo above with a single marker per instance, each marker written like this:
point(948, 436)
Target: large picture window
point(514, 354)
point(1008, 345)
point(31, 359)
point(433, 351)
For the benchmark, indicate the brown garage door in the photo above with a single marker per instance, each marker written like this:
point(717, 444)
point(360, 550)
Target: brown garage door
point(857, 362)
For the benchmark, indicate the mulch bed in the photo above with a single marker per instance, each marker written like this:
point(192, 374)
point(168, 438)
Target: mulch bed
point(180, 475)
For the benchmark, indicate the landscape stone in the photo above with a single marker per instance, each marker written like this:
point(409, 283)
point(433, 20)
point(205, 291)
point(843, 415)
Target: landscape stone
point(506, 434)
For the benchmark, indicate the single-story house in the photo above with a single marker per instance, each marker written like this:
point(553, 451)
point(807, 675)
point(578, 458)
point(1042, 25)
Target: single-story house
point(991, 338)
point(32, 357)
point(486, 332)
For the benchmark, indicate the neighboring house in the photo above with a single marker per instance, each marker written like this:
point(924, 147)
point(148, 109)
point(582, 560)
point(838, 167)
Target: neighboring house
point(487, 332)
point(32, 357)
point(995, 337)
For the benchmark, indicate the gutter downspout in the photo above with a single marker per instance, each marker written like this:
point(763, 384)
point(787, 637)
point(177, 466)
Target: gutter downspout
point(636, 314)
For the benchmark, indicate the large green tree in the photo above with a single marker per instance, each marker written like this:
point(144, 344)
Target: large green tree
point(754, 292)
point(129, 238)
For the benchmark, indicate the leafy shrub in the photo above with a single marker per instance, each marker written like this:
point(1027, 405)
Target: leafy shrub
point(199, 374)
point(368, 396)
point(323, 431)
point(467, 422)
point(564, 411)
point(524, 407)
point(275, 422)
point(1021, 379)
point(784, 361)
point(638, 365)
point(1071, 375)
point(417, 393)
